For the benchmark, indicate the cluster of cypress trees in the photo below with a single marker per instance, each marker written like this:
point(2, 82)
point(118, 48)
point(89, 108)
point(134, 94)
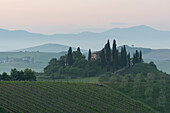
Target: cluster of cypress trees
point(137, 57)
point(114, 60)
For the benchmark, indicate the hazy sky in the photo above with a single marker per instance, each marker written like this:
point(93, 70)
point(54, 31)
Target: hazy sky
point(72, 16)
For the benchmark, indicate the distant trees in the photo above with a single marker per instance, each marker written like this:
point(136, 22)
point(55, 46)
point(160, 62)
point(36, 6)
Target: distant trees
point(114, 56)
point(89, 55)
point(16, 75)
point(137, 57)
point(128, 60)
point(115, 60)
point(69, 57)
point(73, 64)
point(108, 55)
point(5, 77)
point(103, 58)
point(107, 60)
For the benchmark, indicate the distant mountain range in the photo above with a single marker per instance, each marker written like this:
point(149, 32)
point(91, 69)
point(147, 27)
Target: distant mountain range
point(50, 48)
point(143, 36)
point(139, 35)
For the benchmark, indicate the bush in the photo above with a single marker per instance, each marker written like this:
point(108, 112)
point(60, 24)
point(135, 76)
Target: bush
point(104, 78)
point(152, 64)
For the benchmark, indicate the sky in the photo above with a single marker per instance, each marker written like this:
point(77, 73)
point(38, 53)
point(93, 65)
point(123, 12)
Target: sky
point(74, 16)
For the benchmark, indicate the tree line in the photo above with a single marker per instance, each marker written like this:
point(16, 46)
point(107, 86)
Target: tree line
point(75, 64)
point(115, 60)
point(15, 75)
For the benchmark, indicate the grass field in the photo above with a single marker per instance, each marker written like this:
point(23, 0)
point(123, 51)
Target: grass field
point(53, 96)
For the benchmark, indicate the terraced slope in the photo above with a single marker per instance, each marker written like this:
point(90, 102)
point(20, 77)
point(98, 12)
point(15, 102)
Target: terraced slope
point(52, 97)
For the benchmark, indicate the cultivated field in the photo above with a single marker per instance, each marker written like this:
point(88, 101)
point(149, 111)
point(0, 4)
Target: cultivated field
point(55, 96)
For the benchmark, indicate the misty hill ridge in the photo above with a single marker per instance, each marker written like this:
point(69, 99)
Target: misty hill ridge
point(50, 47)
point(139, 35)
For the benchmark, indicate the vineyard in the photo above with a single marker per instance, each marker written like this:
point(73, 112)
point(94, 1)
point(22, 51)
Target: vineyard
point(54, 96)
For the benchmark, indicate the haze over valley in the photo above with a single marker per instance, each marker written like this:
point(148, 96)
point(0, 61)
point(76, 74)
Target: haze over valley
point(139, 36)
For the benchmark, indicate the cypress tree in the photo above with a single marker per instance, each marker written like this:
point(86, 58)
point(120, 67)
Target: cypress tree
point(125, 56)
point(122, 57)
point(128, 59)
point(114, 52)
point(89, 55)
point(134, 59)
point(69, 57)
point(78, 49)
point(137, 56)
point(78, 53)
point(140, 56)
point(108, 55)
point(116, 59)
point(103, 58)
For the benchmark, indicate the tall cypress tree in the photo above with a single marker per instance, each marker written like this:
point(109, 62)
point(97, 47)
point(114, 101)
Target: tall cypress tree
point(69, 57)
point(140, 56)
point(108, 55)
point(89, 55)
point(128, 59)
point(78, 49)
point(137, 56)
point(124, 56)
point(103, 58)
point(134, 59)
point(114, 58)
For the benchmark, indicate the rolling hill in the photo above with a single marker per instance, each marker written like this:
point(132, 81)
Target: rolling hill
point(159, 56)
point(51, 48)
point(142, 82)
point(41, 59)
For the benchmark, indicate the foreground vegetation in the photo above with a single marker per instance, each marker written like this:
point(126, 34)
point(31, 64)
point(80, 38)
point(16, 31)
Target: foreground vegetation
point(3, 110)
point(143, 82)
point(15, 75)
point(65, 97)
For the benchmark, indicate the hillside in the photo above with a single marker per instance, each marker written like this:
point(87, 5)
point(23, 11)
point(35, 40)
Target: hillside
point(65, 97)
point(159, 56)
point(140, 68)
point(41, 59)
point(142, 82)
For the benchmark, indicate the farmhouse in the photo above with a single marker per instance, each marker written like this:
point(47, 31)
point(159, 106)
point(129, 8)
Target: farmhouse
point(96, 55)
